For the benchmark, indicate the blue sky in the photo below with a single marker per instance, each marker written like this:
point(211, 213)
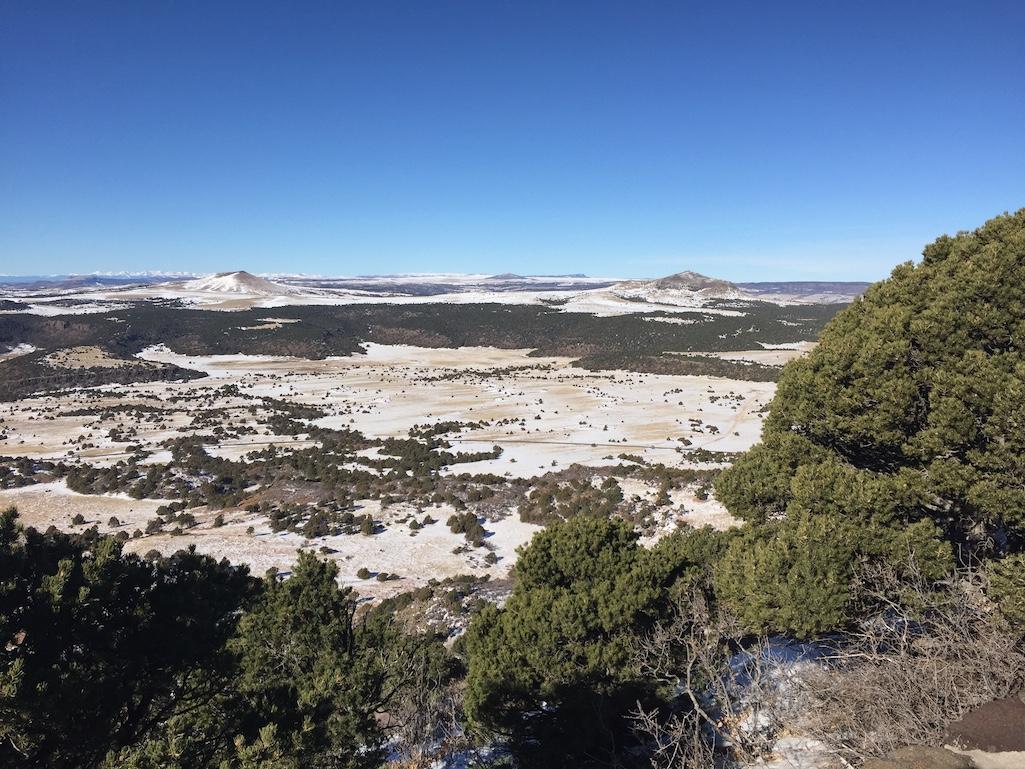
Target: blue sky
point(755, 140)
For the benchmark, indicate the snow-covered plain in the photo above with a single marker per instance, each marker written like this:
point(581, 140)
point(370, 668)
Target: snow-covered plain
point(563, 414)
point(544, 413)
point(415, 556)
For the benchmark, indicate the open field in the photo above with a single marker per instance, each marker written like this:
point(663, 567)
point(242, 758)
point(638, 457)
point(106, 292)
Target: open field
point(558, 413)
point(545, 415)
point(415, 557)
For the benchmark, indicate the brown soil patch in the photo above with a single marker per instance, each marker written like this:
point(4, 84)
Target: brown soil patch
point(996, 727)
point(87, 357)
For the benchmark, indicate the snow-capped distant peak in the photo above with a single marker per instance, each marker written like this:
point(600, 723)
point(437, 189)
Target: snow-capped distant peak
point(240, 282)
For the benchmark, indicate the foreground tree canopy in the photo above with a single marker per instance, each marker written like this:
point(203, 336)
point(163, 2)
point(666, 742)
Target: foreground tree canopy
point(912, 406)
point(553, 671)
point(114, 661)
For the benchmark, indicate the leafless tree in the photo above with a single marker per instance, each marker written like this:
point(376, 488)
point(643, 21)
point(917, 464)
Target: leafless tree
point(424, 722)
point(925, 656)
point(732, 700)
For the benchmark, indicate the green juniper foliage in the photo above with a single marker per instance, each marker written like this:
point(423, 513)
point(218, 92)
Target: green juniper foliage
point(111, 660)
point(912, 404)
point(552, 671)
point(103, 649)
point(905, 427)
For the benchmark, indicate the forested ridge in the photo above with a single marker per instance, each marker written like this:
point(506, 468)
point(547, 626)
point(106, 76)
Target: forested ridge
point(628, 342)
point(884, 519)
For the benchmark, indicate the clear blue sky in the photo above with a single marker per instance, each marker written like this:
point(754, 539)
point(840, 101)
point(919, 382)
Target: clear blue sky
point(804, 140)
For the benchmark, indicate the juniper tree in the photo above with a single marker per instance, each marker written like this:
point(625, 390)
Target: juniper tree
point(912, 405)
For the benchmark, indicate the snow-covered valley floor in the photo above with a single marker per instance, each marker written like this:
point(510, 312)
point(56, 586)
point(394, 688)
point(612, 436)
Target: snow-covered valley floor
point(544, 413)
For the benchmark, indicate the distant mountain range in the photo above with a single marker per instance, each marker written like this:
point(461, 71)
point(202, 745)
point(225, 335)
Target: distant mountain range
point(573, 292)
point(808, 291)
point(446, 283)
point(43, 282)
point(686, 287)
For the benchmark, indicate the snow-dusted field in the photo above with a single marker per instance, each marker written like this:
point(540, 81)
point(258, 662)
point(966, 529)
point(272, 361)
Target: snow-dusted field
point(561, 414)
point(596, 301)
point(769, 355)
point(543, 413)
point(415, 557)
